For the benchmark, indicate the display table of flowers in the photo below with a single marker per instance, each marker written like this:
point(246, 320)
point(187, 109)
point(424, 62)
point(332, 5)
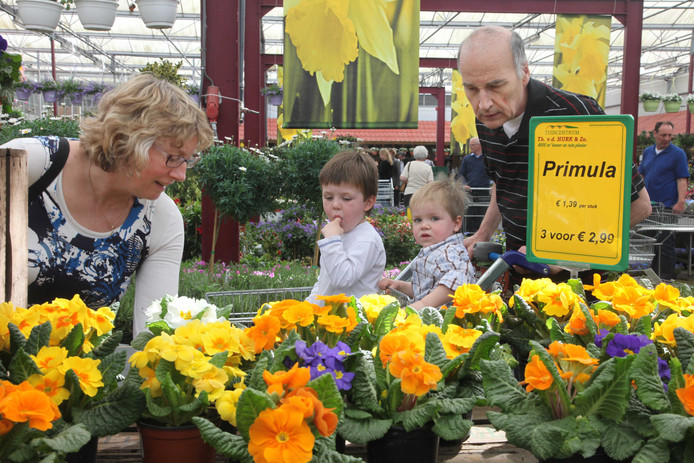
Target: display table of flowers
point(560, 372)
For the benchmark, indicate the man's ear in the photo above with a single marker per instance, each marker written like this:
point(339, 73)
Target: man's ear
point(458, 223)
point(369, 203)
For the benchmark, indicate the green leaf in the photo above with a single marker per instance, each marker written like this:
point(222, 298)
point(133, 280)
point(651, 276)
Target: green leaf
point(113, 413)
point(607, 393)
point(262, 363)
point(17, 339)
point(155, 409)
point(676, 382)
point(556, 333)
point(451, 426)
point(547, 438)
point(500, 386)
point(562, 394)
point(649, 386)
point(229, 445)
point(526, 312)
point(416, 417)
point(363, 392)
point(39, 337)
point(70, 440)
point(251, 403)
point(520, 428)
point(434, 352)
point(685, 346)
point(481, 349)
point(328, 393)
point(361, 431)
point(331, 456)
point(654, 450)
point(451, 365)
point(354, 337)
point(448, 318)
point(158, 327)
point(385, 321)
point(590, 323)
point(111, 366)
point(283, 350)
point(581, 436)
point(643, 326)
point(431, 316)
point(394, 397)
point(458, 406)
point(74, 341)
point(22, 366)
point(141, 340)
point(621, 441)
point(672, 427)
point(219, 359)
point(107, 346)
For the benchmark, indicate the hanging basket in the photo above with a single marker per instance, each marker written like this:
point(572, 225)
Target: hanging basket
point(96, 15)
point(672, 106)
point(158, 14)
point(50, 96)
point(76, 98)
point(275, 100)
point(22, 94)
point(39, 15)
point(650, 105)
point(691, 107)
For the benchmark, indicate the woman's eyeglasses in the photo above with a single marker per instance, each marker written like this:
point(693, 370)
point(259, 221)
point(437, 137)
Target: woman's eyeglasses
point(173, 160)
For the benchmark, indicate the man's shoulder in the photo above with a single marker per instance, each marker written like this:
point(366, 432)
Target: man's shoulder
point(552, 99)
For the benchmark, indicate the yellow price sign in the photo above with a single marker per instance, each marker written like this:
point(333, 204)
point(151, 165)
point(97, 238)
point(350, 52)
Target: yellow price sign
point(579, 179)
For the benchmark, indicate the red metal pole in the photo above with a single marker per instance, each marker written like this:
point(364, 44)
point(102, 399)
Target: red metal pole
point(689, 86)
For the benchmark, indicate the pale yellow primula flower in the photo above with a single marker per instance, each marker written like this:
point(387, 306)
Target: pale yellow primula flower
point(327, 34)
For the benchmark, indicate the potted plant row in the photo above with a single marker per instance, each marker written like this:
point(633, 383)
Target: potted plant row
point(69, 89)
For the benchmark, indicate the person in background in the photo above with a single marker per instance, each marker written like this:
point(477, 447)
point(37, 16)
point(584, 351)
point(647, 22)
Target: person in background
point(103, 216)
point(497, 82)
point(385, 164)
point(474, 176)
point(443, 263)
point(665, 170)
point(352, 254)
point(416, 173)
point(397, 171)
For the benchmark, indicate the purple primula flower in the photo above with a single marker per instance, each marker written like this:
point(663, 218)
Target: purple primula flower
point(3, 43)
point(343, 379)
point(335, 356)
point(319, 370)
point(623, 344)
point(664, 372)
point(314, 355)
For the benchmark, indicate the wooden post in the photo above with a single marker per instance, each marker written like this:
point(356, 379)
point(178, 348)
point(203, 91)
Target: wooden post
point(14, 216)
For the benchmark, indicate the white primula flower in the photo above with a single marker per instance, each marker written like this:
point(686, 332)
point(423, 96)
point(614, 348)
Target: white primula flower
point(183, 309)
point(243, 169)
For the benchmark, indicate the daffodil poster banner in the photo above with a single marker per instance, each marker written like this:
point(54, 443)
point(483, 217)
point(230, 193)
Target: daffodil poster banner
point(282, 133)
point(462, 116)
point(351, 63)
point(581, 52)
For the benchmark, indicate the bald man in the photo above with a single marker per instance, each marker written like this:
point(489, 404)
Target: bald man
point(497, 82)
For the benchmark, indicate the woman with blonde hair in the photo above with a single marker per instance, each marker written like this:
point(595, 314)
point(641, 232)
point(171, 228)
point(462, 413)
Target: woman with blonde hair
point(98, 211)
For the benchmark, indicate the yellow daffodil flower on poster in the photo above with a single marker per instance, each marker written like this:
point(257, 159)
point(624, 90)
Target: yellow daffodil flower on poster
point(582, 46)
point(463, 118)
point(327, 34)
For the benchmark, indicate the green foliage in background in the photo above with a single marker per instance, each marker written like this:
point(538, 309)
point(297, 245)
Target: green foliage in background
point(166, 70)
point(62, 127)
point(396, 232)
point(9, 75)
point(241, 184)
point(300, 166)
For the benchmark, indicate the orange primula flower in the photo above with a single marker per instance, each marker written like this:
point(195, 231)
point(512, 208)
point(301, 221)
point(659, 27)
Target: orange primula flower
point(607, 319)
point(334, 300)
point(573, 361)
point(264, 332)
point(286, 380)
point(577, 323)
point(399, 340)
point(30, 405)
point(686, 394)
point(5, 426)
point(334, 323)
point(602, 291)
point(466, 299)
point(323, 418)
point(537, 376)
point(417, 376)
point(280, 434)
point(299, 314)
point(667, 296)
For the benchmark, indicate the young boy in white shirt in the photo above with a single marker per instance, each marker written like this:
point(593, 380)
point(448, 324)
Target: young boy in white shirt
point(352, 254)
point(443, 263)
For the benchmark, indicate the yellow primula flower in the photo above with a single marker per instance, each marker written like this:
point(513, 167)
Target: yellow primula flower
point(189, 334)
point(374, 303)
point(87, 371)
point(218, 339)
point(667, 295)
point(226, 405)
point(211, 380)
point(50, 358)
point(633, 300)
point(52, 384)
point(529, 289)
point(458, 340)
point(558, 299)
point(151, 382)
point(664, 332)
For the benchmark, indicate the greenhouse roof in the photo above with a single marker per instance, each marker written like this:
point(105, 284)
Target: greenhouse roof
point(668, 27)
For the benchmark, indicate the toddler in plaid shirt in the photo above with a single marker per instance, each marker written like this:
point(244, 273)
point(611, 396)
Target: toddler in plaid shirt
point(443, 263)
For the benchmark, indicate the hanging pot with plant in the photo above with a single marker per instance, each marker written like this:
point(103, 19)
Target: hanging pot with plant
point(49, 89)
point(158, 14)
point(672, 102)
point(650, 101)
point(690, 102)
point(39, 15)
point(96, 15)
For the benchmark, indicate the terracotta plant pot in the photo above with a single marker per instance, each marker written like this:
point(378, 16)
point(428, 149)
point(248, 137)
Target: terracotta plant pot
point(160, 444)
